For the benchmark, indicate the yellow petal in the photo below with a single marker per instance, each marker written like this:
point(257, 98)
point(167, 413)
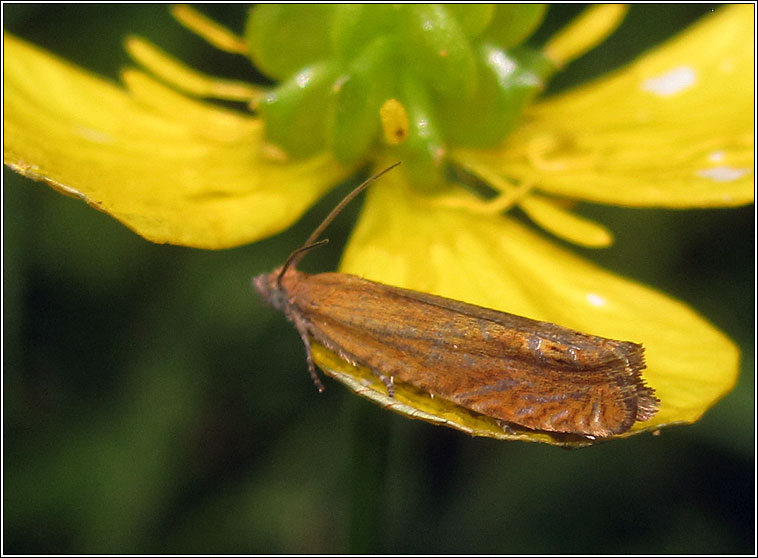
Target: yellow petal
point(402, 239)
point(674, 129)
point(569, 226)
point(172, 169)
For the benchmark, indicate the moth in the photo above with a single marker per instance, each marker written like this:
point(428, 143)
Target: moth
point(522, 372)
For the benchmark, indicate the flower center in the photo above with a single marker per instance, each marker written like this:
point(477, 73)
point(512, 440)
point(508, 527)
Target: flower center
point(413, 79)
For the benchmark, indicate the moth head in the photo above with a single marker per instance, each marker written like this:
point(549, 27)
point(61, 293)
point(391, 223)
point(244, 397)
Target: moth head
point(268, 286)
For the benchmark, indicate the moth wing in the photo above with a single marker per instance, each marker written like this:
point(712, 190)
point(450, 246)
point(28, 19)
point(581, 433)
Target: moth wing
point(501, 365)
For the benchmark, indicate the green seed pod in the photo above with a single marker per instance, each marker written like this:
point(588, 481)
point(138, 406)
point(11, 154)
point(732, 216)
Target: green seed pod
point(295, 111)
point(423, 152)
point(472, 18)
point(508, 81)
point(357, 97)
point(356, 25)
point(285, 38)
point(437, 50)
point(512, 24)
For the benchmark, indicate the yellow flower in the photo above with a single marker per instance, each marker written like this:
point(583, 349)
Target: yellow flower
point(662, 132)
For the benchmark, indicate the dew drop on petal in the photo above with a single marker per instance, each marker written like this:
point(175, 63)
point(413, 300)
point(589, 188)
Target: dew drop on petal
point(672, 82)
point(726, 66)
point(722, 174)
point(595, 299)
point(716, 156)
point(95, 136)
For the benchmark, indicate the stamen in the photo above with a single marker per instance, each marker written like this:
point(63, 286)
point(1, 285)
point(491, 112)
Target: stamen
point(188, 79)
point(214, 33)
point(510, 194)
point(548, 214)
point(548, 153)
point(394, 122)
point(584, 33)
point(545, 212)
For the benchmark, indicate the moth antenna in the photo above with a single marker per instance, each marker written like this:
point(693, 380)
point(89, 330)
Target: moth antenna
point(295, 257)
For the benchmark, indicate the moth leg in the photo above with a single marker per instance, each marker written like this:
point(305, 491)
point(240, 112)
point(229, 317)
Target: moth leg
point(302, 329)
point(506, 426)
point(388, 381)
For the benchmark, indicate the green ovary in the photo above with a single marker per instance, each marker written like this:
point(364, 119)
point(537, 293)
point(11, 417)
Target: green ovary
point(458, 70)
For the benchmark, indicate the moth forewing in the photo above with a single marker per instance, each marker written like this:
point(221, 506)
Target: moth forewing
point(534, 374)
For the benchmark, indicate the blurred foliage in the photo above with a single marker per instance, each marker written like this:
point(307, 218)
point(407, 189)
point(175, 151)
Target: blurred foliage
point(153, 404)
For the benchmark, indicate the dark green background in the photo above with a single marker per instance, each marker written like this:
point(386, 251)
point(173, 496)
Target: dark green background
point(153, 404)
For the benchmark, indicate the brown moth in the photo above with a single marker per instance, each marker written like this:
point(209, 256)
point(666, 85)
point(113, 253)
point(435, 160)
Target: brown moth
point(523, 372)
